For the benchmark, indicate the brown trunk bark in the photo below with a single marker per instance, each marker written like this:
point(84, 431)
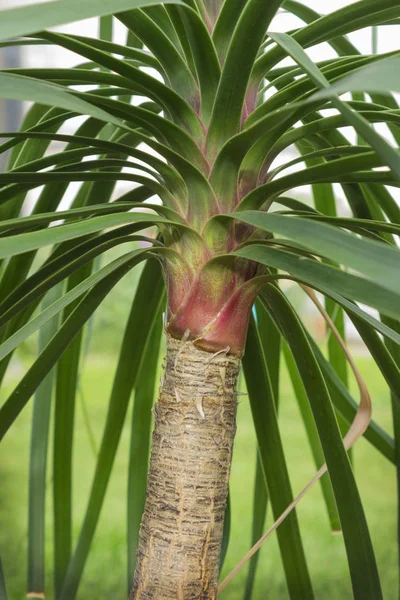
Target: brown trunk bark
point(195, 422)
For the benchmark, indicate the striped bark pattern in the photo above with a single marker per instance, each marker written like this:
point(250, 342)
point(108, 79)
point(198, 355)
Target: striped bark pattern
point(179, 548)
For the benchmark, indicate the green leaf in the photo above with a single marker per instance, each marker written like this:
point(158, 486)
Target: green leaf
point(260, 503)
point(141, 56)
point(64, 417)
point(396, 428)
point(18, 87)
point(18, 244)
point(24, 332)
point(146, 84)
point(383, 148)
point(347, 406)
point(309, 158)
point(17, 268)
point(325, 278)
point(54, 349)
point(308, 15)
point(375, 260)
point(154, 38)
point(59, 266)
point(319, 126)
point(312, 434)
point(328, 27)
point(271, 344)
point(274, 464)
point(20, 224)
point(325, 202)
point(243, 48)
point(380, 76)
point(108, 170)
point(179, 32)
point(141, 321)
point(186, 156)
point(106, 28)
point(270, 338)
point(225, 25)
point(161, 16)
point(49, 199)
point(70, 158)
point(267, 146)
point(396, 425)
point(19, 154)
point(362, 226)
point(360, 554)
point(40, 430)
point(385, 200)
point(170, 175)
point(32, 18)
point(297, 91)
point(204, 57)
point(381, 355)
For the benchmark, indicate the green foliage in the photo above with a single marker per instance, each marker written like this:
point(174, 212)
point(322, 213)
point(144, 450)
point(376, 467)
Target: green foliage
point(208, 136)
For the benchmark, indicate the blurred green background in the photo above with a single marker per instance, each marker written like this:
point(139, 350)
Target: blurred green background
point(105, 574)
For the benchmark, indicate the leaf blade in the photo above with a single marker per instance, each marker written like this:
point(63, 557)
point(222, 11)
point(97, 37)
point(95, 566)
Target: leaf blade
point(365, 579)
point(40, 430)
point(141, 319)
point(32, 18)
point(274, 464)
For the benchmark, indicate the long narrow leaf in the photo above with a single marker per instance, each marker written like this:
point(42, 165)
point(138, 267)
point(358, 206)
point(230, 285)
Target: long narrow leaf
point(13, 245)
point(326, 278)
point(140, 323)
point(274, 464)
point(271, 343)
point(64, 426)
point(347, 406)
point(52, 310)
point(313, 438)
point(38, 461)
point(375, 260)
point(396, 429)
point(383, 148)
point(243, 48)
point(363, 569)
point(31, 18)
point(260, 503)
point(40, 368)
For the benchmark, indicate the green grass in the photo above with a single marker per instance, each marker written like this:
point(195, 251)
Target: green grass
point(105, 573)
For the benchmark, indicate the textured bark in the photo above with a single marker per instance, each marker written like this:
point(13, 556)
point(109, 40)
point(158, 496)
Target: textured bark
point(195, 422)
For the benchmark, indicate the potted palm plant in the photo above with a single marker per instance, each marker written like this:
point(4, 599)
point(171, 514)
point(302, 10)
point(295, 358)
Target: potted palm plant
point(196, 109)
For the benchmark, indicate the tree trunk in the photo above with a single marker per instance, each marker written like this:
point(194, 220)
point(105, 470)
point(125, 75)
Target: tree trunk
point(179, 547)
